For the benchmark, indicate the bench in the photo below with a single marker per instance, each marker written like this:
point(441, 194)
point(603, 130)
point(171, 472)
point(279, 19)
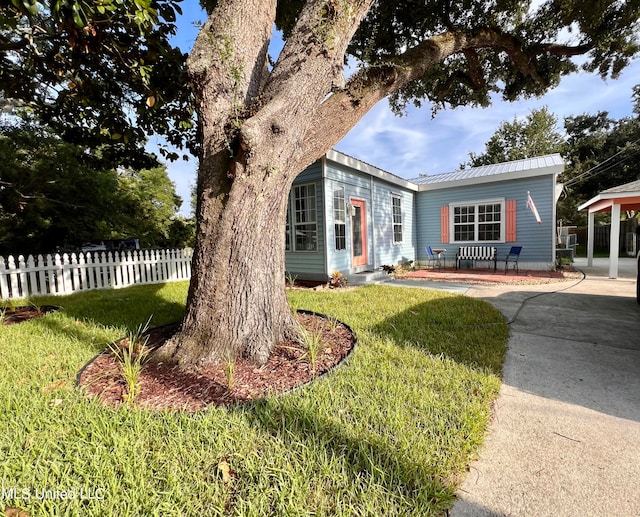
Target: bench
point(474, 253)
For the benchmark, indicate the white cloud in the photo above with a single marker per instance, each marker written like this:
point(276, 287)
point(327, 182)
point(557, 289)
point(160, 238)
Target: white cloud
point(416, 143)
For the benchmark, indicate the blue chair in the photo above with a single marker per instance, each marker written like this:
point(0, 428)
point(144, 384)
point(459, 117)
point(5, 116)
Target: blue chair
point(512, 257)
point(435, 259)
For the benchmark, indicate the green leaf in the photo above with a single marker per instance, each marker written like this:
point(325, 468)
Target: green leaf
point(77, 16)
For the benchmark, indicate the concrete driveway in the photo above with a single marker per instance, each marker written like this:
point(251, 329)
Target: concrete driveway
point(565, 440)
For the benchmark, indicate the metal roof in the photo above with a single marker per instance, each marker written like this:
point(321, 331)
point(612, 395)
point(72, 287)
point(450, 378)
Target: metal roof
point(517, 166)
point(367, 168)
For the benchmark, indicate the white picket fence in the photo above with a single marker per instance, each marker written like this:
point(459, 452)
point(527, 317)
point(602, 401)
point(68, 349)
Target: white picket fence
point(69, 273)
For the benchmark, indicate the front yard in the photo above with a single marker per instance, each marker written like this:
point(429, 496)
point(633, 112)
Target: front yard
point(388, 433)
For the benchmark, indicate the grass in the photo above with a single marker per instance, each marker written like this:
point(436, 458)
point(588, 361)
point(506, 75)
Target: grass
point(389, 433)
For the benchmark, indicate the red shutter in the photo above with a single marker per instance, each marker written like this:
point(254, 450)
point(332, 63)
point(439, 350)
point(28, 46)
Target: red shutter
point(511, 220)
point(444, 224)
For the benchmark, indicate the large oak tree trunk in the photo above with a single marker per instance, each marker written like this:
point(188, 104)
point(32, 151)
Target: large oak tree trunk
point(260, 127)
point(237, 303)
point(256, 128)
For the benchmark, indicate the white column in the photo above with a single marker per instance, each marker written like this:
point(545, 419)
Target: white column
point(590, 236)
point(614, 243)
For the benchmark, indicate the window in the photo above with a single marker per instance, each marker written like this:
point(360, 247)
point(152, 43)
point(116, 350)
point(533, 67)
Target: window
point(396, 213)
point(304, 218)
point(340, 219)
point(478, 222)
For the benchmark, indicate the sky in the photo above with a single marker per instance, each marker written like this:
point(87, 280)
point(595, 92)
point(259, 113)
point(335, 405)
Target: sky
point(416, 143)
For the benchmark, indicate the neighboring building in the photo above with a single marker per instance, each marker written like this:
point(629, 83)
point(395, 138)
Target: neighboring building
point(348, 216)
point(615, 200)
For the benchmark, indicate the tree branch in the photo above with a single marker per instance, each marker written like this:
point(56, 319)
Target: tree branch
point(338, 114)
point(231, 49)
point(309, 66)
point(560, 50)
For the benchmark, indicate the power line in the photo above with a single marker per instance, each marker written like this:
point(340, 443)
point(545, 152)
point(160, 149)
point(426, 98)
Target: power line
point(590, 171)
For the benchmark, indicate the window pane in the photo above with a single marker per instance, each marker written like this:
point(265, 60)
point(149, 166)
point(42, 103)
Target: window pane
point(464, 232)
point(339, 210)
point(356, 232)
point(397, 234)
point(288, 232)
point(396, 216)
point(463, 219)
point(477, 223)
point(306, 237)
point(305, 204)
point(341, 236)
point(464, 214)
point(305, 229)
point(489, 232)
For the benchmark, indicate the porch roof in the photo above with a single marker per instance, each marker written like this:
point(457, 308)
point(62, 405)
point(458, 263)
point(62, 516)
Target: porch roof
point(627, 196)
point(615, 199)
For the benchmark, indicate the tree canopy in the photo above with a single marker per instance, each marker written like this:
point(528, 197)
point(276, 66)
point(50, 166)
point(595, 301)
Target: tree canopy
point(97, 72)
point(55, 194)
point(106, 71)
point(601, 153)
point(536, 135)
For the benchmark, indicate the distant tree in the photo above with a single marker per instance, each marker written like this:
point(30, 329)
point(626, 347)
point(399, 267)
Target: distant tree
point(49, 195)
point(182, 232)
point(58, 195)
point(149, 205)
point(536, 135)
point(601, 153)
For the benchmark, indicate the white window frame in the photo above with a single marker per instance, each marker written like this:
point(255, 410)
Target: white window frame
point(288, 243)
point(477, 222)
point(339, 218)
point(396, 224)
point(295, 224)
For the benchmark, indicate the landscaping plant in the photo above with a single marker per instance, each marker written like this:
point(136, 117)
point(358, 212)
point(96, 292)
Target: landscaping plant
point(132, 353)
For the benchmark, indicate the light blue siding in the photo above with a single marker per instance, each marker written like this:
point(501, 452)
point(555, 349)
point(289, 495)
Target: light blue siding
point(386, 251)
point(340, 173)
point(338, 260)
point(310, 265)
point(536, 239)
point(357, 185)
point(421, 212)
point(377, 195)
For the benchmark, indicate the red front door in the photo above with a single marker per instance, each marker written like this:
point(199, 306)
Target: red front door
point(359, 233)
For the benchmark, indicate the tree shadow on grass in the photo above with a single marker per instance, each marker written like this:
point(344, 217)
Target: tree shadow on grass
point(467, 330)
point(414, 463)
point(127, 308)
point(372, 471)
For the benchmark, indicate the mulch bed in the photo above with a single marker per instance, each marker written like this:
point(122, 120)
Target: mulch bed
point(13, 315)
point(193, 389)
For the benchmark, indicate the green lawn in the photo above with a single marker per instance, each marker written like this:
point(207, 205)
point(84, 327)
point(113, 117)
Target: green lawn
point(388, 433)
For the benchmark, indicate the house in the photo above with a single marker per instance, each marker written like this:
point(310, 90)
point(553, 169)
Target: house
point(349, 216)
